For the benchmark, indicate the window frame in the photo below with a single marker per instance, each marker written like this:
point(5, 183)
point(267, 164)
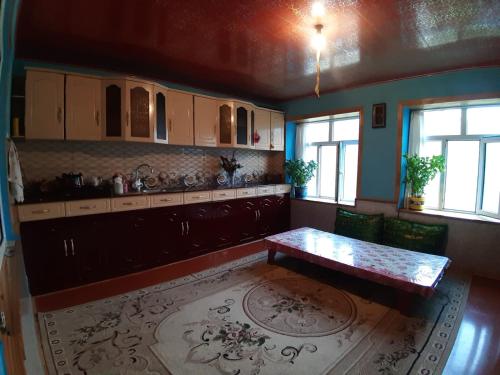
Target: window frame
point(483, 139)
point(340, 158)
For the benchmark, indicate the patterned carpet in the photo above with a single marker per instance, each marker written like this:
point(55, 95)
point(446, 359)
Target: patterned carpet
point(248, 317)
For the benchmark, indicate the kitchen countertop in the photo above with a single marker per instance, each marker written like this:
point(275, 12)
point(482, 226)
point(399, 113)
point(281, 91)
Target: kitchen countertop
point(107, 192)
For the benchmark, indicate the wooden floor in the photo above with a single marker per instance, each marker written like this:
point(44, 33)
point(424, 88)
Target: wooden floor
point(476, 350)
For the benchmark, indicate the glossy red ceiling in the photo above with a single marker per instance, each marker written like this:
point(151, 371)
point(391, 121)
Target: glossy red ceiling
point(261, 48)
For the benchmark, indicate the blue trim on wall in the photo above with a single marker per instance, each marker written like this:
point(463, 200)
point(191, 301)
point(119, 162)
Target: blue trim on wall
point(405, 144)
point(3, 370)
point(378, 178)
point(8, 23)
point(290, 135)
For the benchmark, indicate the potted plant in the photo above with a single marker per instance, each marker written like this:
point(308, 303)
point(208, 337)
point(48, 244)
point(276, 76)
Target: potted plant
point(300, 173)
point(420, 170)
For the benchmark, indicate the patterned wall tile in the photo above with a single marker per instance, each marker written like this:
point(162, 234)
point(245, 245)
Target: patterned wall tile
point(47, 159)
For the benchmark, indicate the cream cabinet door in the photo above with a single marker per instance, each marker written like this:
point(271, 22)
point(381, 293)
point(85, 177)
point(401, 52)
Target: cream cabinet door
point(277, 131)
point(44, 105)
point(262, 129)
point(83, 108)
point(206, 117)
point(139, 112)
point(180, 118)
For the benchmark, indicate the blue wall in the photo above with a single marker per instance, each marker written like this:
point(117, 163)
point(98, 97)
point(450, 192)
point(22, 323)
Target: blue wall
point(8, 26)
point(379, 145)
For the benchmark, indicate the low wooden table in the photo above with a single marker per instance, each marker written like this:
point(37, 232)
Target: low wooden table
point(408, 271)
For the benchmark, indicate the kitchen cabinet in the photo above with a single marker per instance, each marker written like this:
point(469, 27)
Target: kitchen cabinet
point(206, 115)
point(224, 214)
point(166, 235)
point(225, 124)
point(198, 232)
point(277, 142)
point(160, 114)
point(180, 118)
point(44, 106)
point(113, 96)
point(83, 108)
point(245, 125)
point(68, 252)
point(139, 111)
point(262, 129)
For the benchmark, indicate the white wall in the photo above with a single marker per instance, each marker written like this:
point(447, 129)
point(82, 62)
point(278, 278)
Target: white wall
point(473, 246)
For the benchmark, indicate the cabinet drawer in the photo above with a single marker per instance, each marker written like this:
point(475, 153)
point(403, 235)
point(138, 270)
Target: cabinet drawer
point(283, 188)
point(221, 195)
point(197, 197)
point(88, 207)
point(163, 200)
point(41, 211)
point(265, 190)
point(246, 192)
point(129, 203)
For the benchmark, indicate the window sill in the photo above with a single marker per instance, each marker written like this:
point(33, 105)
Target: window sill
point(327, 201)
point(454, 215)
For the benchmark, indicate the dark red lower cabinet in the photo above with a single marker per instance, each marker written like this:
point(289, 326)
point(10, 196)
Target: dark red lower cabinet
point(68, 252)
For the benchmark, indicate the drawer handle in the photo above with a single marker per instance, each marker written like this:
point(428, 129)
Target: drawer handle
point(165, 200)
point(38, 212)
point(87, 207)
point(198, 197)
point(223, 194)
point(127, 203)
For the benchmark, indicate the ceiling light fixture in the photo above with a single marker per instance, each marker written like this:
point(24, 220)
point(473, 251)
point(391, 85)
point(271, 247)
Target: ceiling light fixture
point(318, 39)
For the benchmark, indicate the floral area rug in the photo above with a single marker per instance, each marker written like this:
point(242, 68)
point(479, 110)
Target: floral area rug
point(248, 317)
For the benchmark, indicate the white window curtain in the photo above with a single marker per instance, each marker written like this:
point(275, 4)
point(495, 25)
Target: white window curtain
point(416, 132)
point(299, 141)
point(415, 138)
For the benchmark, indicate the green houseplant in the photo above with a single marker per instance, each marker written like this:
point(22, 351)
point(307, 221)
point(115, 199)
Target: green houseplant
point(420, 170)
point(300, 173)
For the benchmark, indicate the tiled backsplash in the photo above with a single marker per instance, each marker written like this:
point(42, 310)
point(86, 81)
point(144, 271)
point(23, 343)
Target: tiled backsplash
point(47, 159)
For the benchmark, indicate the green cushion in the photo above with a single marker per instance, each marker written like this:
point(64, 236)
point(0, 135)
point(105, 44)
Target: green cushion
point(360, 226)
point(427, 238)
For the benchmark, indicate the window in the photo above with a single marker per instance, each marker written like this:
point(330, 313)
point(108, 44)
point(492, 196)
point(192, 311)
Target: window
point(333, 143)
point(469, 139)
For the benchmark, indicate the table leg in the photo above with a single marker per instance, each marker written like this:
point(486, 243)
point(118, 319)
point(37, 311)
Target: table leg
point(270, 256)
point(406, 302)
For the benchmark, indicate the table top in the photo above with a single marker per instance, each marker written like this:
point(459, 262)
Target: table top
point(408, 270)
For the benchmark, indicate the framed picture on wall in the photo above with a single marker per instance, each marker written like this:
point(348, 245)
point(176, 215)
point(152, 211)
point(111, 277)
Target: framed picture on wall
point(378, 115)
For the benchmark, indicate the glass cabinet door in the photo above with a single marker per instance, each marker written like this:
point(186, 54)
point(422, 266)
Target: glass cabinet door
point(225, 124)
point(139, 119)
point(241, 126)
point(113, 94)
point(139, 112)
point(160, 122)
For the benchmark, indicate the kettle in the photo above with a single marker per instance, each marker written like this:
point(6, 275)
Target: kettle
point(72, 180)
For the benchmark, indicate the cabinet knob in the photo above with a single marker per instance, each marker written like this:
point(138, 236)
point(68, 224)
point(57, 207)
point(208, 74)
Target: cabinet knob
point(59, 114)
point(38, 212)
point(170, 125)
point(97, 115)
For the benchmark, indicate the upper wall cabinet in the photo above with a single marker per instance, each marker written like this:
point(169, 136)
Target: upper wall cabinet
point(83, 108)
point(262, 129)
point(206, 114)
point(160, 114)
point(225, 124)
point(180, 118)
point(113, 97)
point(44, 105)
point(139, 111)
point(244, 125)
point(277, 131)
